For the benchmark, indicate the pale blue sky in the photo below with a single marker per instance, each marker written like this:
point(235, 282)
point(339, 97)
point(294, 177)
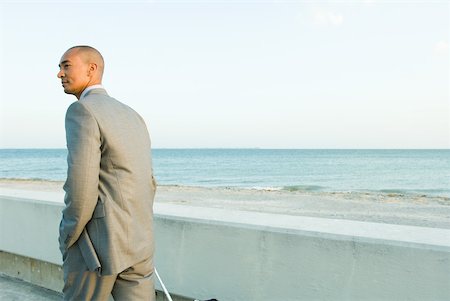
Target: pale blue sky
point(279, 74)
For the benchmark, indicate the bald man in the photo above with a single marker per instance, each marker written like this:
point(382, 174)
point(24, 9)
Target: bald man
point(106, 230)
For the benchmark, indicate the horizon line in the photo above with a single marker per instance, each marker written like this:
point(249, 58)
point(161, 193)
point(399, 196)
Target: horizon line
point(238, 148)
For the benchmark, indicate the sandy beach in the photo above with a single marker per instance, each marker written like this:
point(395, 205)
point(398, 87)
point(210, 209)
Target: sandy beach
point(392, 208)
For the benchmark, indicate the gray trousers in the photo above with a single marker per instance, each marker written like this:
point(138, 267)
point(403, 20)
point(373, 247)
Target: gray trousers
point(134, 283)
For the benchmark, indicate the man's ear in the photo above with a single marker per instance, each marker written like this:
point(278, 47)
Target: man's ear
point(92, 68)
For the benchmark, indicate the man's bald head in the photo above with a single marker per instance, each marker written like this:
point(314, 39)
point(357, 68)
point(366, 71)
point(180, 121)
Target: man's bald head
point(79, 68)
point(90, 55)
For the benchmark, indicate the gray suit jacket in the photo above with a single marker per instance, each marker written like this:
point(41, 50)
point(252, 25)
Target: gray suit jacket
point(108, 218)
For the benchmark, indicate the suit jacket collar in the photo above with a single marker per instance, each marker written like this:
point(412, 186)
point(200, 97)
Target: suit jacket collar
point(96, 91)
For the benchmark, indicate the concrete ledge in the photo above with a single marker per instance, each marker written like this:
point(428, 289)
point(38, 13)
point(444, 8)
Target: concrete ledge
point(24, 278)
point(38, 272)
point(407, 236)
point(14, 289)
point(235, 255)
point(30, 228)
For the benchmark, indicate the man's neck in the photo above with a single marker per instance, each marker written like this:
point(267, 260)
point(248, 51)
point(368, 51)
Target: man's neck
point(92, 87)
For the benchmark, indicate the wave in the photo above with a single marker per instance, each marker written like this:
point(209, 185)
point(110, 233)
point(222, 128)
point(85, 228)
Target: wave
point(390, 192)
point(393, 191)
point(423, 192)
point(443, 195)
point(293, 188)
point(29, 180)
point(267, 188)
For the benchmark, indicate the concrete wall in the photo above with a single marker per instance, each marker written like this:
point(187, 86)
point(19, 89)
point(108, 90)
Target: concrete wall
point(235, 255)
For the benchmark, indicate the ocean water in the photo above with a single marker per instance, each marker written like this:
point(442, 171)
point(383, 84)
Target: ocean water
point(425, 172)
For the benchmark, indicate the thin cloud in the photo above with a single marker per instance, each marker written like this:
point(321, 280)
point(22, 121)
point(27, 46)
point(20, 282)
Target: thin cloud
point(321, 17)
point(441, 48)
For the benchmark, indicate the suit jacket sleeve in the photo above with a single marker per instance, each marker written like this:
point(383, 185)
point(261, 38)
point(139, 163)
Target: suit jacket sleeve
point(81, 187)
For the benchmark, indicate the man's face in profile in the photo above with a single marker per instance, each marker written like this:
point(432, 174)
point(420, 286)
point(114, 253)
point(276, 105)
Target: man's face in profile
point(73, 72)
